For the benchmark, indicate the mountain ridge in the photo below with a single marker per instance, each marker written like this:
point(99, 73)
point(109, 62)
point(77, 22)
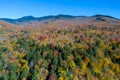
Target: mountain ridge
point(31, 20)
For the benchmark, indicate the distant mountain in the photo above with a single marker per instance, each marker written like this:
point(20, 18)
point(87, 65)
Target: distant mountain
point(47, 19)
point(23, 19)
point(98, 15)
point(31, 18)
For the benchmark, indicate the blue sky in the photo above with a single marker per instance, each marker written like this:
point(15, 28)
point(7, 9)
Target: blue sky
point(38, 8)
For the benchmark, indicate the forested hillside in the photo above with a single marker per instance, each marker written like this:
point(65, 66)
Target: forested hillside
point(72, 52)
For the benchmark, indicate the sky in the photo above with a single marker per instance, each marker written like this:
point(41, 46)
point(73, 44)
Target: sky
point(38, 8)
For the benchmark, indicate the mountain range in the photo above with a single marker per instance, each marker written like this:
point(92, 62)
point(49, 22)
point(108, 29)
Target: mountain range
point(61, 19)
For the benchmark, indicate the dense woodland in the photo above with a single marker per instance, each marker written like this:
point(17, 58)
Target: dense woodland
point(83, 52)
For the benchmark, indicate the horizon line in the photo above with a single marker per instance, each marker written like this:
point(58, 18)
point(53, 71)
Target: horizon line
point(60, 14)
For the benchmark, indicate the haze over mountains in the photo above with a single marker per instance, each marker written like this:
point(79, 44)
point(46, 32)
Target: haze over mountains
point(60, 19)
